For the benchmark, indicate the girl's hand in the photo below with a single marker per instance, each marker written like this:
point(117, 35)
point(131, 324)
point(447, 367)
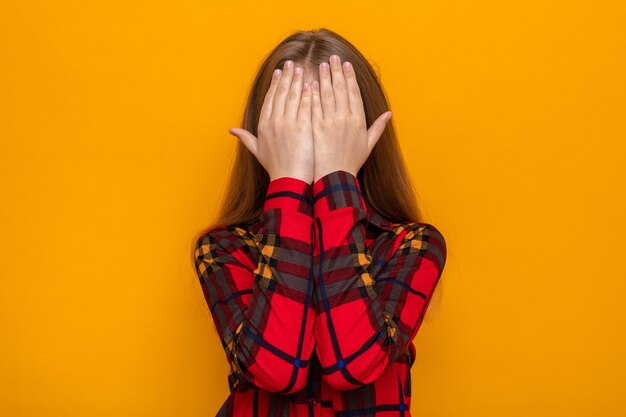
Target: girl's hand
point(285, 143)
point(340, 135)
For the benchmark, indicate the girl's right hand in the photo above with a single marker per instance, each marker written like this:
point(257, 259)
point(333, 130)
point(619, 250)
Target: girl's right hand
point(285, 143)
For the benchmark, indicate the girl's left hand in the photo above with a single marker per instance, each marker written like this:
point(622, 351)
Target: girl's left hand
point(340, 135)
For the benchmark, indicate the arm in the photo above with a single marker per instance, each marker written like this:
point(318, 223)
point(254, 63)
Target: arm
point(367, 313)
point(263, 312)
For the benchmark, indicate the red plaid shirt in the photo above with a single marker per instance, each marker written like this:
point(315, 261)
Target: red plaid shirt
point(318, 302)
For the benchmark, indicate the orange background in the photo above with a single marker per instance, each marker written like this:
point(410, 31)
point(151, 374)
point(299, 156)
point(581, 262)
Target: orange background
point(114, 150)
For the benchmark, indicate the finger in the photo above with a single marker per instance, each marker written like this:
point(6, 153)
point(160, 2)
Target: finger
point(376, 130)
point(293, 98)
point(317, 113)
point(266, 109)
point(305, 103)
point(354, 93)
point(339, 85)
point(284, 85)
point(247, 138)
point(327, 97)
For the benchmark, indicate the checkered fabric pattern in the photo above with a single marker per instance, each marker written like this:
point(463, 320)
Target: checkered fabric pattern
point(318, 302)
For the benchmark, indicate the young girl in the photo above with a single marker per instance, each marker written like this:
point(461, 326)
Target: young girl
point(319, 271)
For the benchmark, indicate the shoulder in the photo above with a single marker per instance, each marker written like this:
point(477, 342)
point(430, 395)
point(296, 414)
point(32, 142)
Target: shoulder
point(422, 237)
point(224, 235)
point(404, 230)
point(235, 240)
point(426, 231)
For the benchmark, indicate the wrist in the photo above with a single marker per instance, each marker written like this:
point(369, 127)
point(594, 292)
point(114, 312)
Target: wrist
point(335, 190)
point(289, 193)
point(323, 172)
point(295, 176)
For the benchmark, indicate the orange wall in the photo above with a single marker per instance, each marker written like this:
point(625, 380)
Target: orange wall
point(114, 150)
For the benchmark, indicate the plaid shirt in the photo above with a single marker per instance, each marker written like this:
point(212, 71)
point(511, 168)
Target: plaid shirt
point(340, 294)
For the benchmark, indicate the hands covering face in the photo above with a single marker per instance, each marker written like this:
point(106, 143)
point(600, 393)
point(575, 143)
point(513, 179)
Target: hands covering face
point(307, 131)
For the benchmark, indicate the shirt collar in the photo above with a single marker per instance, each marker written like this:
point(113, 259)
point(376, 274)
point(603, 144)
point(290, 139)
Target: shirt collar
point(378, 219)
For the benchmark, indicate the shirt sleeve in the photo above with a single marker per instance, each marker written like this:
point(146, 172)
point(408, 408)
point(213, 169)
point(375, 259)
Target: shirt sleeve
point(367, 313)
point(263, 312)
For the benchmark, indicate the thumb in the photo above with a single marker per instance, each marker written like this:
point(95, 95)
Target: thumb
point(376, 130)
point(247, 138)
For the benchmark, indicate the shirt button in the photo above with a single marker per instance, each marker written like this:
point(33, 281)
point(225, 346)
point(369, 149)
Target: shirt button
point(312, 401)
